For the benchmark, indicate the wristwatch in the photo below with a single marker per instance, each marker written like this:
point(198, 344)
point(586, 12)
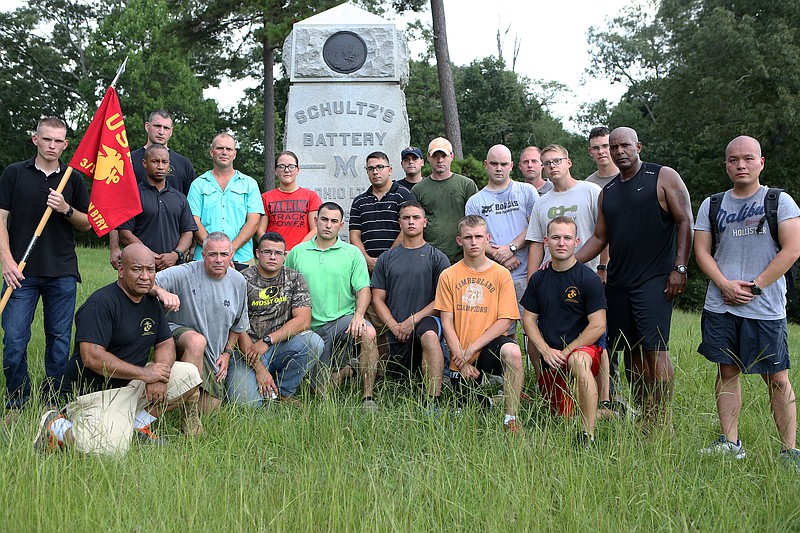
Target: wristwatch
point(180, 256)
point(602, 267)
point(69, 212)
point(513, 248)
point(680, 269)
point(268, 341)
point(755, 289)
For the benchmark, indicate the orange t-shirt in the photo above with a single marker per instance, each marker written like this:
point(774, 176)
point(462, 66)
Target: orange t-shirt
point(476, 299)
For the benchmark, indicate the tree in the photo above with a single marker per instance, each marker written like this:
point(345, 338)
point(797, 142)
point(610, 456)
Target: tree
point(728, 80)
point(158, 76)
point(631, 49)
point(59, 57)
point(36, 78)
point(452, 124)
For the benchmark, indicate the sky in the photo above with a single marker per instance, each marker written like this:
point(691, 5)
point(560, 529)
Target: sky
point(552, 44)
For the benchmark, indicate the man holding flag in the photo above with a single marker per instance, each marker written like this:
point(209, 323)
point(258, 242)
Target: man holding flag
point(104, 155)
point(27, 190)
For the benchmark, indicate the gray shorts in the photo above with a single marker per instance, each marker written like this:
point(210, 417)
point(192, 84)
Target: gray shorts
point(339, 350)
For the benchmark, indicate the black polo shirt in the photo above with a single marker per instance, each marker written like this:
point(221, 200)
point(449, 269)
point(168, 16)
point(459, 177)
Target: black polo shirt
point(377, 219)
point(181, 173)
point(165, 215)
point(23, 193)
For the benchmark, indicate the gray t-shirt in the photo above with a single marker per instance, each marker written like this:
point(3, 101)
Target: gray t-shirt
point(546, 188)
point(578, 202)
point(742, 253)
point(506, 213)
point(597, 180)
point(409, 276)
point(212, 307)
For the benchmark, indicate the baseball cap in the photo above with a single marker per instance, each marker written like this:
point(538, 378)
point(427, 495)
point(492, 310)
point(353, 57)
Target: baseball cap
point(440, 144)
point(411, 150)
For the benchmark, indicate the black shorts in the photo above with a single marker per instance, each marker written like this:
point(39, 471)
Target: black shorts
point(755, 346)
point(406, 358)
point(489, 360)
point(640, 316)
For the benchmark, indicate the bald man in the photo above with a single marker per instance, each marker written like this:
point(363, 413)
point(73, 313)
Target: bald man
point(744, 316)
point(118, 394)
point(645, 217)
point(506, 207)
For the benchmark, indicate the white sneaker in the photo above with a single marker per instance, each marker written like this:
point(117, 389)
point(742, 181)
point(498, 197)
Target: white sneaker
point(724, 446)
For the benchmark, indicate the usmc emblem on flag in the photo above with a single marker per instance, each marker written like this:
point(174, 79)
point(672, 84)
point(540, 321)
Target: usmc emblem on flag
point(109, 165)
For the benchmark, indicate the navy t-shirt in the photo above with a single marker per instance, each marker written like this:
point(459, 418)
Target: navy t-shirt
point(564, 301)
point(123, 327)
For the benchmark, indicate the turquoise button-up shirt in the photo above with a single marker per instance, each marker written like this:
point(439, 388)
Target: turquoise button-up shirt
point(227, 210)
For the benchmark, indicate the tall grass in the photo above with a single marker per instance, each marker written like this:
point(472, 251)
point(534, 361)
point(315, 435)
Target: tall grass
point(328, 466)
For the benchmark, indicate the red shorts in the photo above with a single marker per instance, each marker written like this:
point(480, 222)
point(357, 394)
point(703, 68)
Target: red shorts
point(553, 383)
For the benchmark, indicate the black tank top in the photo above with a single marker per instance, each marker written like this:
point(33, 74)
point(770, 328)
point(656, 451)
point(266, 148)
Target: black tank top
point(641, 235)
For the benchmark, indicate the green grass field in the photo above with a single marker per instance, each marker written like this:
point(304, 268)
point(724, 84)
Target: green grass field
point(330, 467)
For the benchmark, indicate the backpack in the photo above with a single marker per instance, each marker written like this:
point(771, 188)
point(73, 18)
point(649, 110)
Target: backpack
point(770, 218)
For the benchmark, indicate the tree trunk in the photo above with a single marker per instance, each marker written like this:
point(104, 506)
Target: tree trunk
point(447, 90)
point(269, 116)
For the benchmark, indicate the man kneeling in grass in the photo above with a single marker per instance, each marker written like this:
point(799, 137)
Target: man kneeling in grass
point(207, 311)
point(338, 280)
point(119, 394)
point(403, 292)
point(279, 343)
point(477, 304)
point(565, 316)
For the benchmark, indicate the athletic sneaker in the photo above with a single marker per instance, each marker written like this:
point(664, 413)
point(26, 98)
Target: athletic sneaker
point(513, 426)
point(584, 441)
point(145, 436)
point(368, 404)
point(791, 459)
point(46, 441)
point(620, 406)
point(724, 446)
point(607, 410)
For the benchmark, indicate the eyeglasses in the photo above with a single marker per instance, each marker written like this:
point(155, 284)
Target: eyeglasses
point(282, 167)
point(597, 148)
point(376, 167)
point(272, 253)
point(553, 162)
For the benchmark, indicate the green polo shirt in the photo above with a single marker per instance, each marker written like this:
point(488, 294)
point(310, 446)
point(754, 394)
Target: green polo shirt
point(334, 276)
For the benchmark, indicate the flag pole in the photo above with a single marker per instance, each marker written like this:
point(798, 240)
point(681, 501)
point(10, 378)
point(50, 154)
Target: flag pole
point(47, 213)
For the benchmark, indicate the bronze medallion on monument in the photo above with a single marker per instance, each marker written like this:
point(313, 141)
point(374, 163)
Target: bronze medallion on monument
point(344, 52)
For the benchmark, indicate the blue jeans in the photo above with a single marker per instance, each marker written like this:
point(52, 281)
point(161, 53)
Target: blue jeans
point(58, 304)
point(287, 361)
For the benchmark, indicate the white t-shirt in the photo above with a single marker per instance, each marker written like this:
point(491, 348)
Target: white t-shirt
point(578, 203)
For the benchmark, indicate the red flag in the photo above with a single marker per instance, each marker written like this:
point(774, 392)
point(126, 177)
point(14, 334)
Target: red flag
point(104, 155)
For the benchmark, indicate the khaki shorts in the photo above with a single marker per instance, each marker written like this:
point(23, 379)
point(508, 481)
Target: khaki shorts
point(374, 319)
point(103, 421)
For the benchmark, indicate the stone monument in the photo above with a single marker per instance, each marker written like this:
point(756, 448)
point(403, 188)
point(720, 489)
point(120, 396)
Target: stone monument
point(347, 69)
